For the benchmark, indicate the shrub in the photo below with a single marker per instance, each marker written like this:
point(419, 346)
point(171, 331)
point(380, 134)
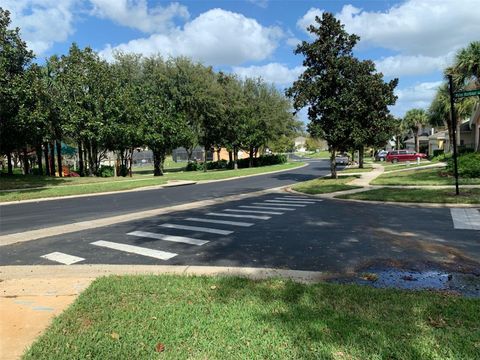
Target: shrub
point(193, 166)
point(468, 165)
point(263, 160)
point(105, 171)
point(438, 152)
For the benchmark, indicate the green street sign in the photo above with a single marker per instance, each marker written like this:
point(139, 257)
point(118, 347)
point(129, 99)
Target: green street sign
point(462, 94)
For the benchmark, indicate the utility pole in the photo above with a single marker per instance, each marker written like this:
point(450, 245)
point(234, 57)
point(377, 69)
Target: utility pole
point(453, 123)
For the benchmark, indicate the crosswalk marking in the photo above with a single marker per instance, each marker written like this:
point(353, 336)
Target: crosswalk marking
point(295, 197)
point(157, 254)
point(266, 208)
point(256, 212)
point(62, 258)
point(271, 203)
point(291, 202)
point(177, 239)
point(260, 217)
point(224, 222)
point(286, 198)
point(197, 228)
point(464, 218)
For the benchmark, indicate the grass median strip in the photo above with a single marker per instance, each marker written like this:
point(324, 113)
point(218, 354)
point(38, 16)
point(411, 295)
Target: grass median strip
point(421, 177)
point(136, 317)
point(326, 185)
point(53, 187)
point(440, 196)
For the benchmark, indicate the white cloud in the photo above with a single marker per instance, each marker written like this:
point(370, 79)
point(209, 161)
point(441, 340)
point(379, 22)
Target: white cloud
point(400, 65)
point(293, 41)
point(137, 15)
point(417, 27)
point(417, 96)
point(42, 22)
point(275, 73)
point(309, 19)
point(261, 3)
point(217, 37)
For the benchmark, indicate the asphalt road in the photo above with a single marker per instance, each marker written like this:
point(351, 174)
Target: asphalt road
point(35, 215)
point(320, 235)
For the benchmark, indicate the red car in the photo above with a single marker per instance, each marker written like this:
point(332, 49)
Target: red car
point(404, 155)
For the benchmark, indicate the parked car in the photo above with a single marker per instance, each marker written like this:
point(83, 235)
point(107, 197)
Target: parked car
point(342, 159)
point(404, 155)
point(381, 155)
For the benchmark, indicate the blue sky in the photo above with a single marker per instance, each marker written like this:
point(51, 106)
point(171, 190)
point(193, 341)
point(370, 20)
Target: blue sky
point(412, 40)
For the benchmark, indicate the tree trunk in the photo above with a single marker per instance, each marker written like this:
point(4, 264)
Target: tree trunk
point(417, 142)
point(361, 152)
point(230, 157)
point(250, 158)
point(158, 159)
point(81, 168)
point(59, 158)
point(9, 165)
point(85, 158)
point(52, 159)
point(47, 162)
point(205, 160)
point(235, 158)
point(91, 165)
point(130, 163)
point(39, 159)
point(333, 164)
point(218, 154)
point(26, 165)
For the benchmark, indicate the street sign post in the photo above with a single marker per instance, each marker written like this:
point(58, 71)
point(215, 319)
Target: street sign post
point(462, 94)
point(454, 131)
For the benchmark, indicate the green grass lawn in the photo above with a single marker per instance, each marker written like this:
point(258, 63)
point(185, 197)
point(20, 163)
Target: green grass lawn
point(51, 187)
point(403, 165)
point(356, 169)
point(325, 185)
point(441, 196)
point(421, 177)
point(324, 154)
point(130, 317)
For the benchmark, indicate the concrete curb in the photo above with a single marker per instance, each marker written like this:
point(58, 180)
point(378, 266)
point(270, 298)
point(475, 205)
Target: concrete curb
point(17, 272)
point(14, 238)
point(331, 196)
point(144, 188)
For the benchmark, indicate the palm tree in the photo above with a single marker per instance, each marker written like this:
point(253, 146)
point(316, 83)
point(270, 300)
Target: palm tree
point(466, 67)
point(415, 120)
point(439, 111)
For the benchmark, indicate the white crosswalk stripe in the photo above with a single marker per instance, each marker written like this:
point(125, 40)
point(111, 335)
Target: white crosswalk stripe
point(255, 212)
point(291, 202)
point(286, 198)
point(266, 208)
point(260, 217)
point(296, 197)
point(277, 204)
point(224, 222)
point(62, 258)
point(465, 218)
point(197, 228)
point(157, 254)
point(177, 239)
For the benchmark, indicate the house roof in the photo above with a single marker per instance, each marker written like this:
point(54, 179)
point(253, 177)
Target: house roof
point(438, 135)
point(420, 138)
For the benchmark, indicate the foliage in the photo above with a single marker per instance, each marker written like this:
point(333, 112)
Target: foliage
point(346, 99)
point(468, 165)
point(106, 171)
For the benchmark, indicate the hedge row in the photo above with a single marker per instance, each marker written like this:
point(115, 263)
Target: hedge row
point(263, 160)
point(468, 165)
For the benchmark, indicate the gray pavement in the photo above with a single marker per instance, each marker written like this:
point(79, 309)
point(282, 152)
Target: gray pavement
point(274, 230)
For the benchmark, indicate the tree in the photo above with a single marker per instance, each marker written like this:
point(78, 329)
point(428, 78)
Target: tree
point(414, 120)
point(14, 58)
point(466, 67)
point(324, 85)
point(163, 126)
point(371, 122)
point(439, 110)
